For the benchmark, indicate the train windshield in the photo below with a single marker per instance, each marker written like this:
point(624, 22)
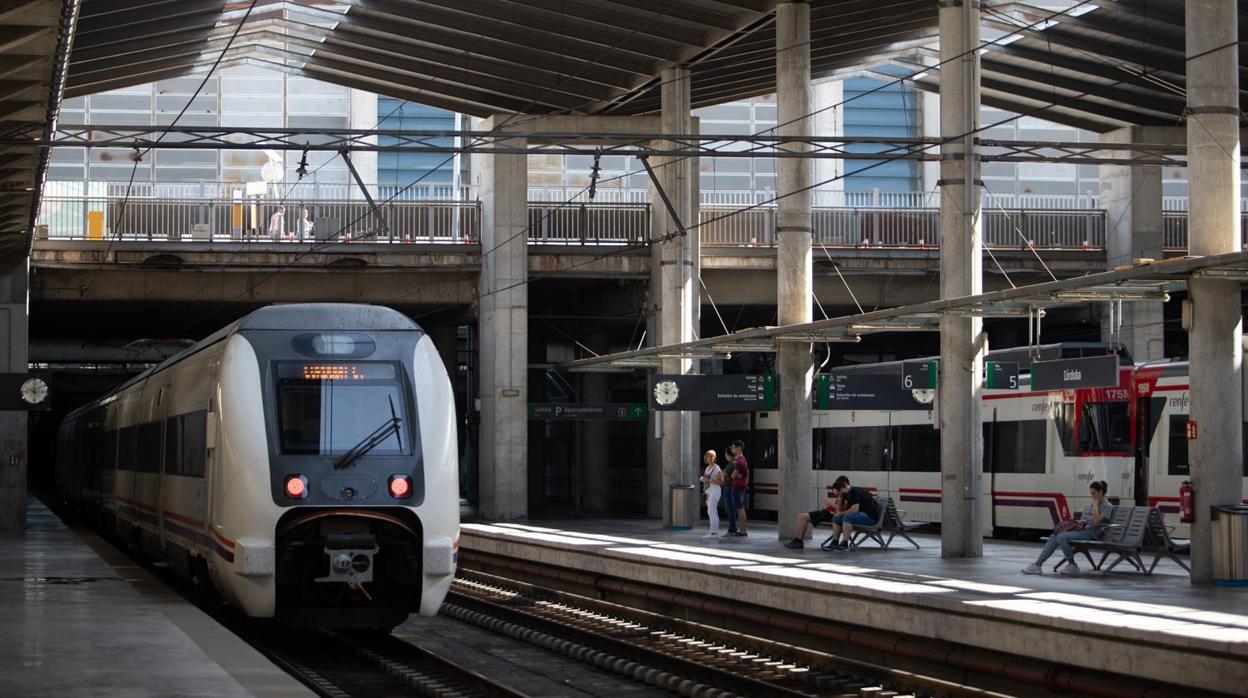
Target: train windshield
point(328, 408)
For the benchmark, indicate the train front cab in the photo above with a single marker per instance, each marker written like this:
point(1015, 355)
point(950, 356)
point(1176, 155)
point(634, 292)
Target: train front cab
point(338, 541)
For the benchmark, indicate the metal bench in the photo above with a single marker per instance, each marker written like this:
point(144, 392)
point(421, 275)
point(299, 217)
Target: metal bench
point(890, 524)
point(1157, 541)
point(1124, 537)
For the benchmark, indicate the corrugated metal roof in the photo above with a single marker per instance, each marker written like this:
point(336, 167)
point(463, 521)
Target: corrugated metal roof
point(1103, 65)
point(30, 35)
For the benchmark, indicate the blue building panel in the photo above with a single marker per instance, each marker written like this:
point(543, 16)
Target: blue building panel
point(401, 169)
point(879, 110)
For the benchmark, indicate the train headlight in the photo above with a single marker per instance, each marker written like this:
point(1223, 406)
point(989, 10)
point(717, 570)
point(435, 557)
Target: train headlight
point(296, 486)
point(400, 486)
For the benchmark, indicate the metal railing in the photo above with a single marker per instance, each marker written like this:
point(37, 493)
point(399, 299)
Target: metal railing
point(907, 227)
point(733, 222)
point(102, 218)
point(1174, 230)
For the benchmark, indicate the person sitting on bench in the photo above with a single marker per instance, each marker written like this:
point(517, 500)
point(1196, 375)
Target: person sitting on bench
point(831, 511)
point(860, 509)
point(1088, 527)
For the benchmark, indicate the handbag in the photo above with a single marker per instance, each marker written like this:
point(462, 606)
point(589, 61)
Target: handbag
point(1069, 526)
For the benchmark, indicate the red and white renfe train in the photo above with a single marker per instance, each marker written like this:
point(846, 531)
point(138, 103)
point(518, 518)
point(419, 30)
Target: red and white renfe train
point(302, 461)
point(1041, 449)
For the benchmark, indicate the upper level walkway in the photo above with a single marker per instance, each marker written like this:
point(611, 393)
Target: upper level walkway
point(222, 212)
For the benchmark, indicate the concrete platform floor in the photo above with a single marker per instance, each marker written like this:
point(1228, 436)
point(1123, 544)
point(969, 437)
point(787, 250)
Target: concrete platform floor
point(1167, 593)
point(81, 619)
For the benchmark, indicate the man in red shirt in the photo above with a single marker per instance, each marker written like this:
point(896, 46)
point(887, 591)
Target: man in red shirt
point(740, 481)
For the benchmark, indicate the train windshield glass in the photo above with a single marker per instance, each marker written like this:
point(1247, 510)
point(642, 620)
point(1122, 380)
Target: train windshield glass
point(326, 408)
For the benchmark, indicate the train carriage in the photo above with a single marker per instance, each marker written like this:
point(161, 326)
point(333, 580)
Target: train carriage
point(302, 461)
point(1042, 449)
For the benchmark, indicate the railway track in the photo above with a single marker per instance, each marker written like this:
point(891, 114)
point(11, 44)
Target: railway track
point(339, 664)
point(682, 657)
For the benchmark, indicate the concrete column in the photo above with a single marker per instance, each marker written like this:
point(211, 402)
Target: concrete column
point(1131, 197)
point(678, 293)
point(14, 343)
point(1213, 228)
point(502, 185)
point(591, 462)
point(793, 265)
point(962, 340)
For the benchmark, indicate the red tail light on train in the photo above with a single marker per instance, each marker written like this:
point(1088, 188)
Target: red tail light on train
point(296, 486)
point(400, 486)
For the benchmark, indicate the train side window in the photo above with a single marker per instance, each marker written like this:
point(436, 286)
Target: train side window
point(173, 439)
point(1017, 447)
point(853, 448)
point(918, 449)
point(147, 449)
point(127, 448)
point(1064, 422)
point(1177, 458)
point(1105, 427)
point(194, 430)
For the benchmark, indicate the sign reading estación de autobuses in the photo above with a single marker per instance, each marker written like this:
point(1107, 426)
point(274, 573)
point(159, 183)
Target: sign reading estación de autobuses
point(712, 393)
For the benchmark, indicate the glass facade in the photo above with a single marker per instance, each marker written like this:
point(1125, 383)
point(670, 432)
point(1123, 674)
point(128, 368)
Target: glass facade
point(240, 96)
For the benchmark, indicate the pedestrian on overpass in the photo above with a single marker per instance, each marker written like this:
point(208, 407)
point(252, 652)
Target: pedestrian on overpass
point(277, 223)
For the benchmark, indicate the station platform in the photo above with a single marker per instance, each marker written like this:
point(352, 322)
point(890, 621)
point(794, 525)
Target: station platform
point(1158, 627)
point(81, 619)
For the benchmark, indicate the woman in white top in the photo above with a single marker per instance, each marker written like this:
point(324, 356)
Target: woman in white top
point(712, 478)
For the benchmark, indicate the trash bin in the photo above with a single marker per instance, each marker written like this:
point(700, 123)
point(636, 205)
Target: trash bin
point(684, 507)
point(1230, 545)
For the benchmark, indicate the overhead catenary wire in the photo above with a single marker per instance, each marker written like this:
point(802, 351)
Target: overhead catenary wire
point(871, 166)
point(121, 209)
point(513, 117)
point(498, 127)
point(755, 206)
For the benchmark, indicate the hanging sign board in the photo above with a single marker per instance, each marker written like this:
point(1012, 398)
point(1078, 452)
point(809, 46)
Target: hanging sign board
point(1001, 375)
point(1068, 374)
point(919, 375)
point(588, 411)
point(864, 391)
point(712, 393)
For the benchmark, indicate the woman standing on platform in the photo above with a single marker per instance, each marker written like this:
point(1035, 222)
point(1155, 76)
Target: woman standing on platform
point(712, 478)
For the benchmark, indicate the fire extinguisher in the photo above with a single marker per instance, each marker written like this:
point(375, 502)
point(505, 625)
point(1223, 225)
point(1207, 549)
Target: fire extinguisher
point(1187, 502)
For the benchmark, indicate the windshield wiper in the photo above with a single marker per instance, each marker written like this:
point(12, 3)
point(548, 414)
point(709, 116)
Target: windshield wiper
point(374, 439)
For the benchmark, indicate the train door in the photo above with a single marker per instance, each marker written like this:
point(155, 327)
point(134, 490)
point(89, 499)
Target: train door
point(1147, 415)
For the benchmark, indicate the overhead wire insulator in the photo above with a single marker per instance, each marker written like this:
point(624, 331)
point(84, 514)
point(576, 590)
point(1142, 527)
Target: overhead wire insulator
point(593, 175)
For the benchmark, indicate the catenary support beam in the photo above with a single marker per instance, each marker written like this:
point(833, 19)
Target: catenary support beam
point(793, 266)
point(963, 343)
point(1213, 227)
point(1131, 197)
point(13, 353)
point(504, 323)
point(678, 292)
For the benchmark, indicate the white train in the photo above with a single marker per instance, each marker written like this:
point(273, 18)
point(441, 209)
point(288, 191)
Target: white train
point(301, 460)
point(1041, 448)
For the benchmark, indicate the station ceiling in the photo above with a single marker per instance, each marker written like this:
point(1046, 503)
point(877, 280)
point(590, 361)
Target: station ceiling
point(1101, 65)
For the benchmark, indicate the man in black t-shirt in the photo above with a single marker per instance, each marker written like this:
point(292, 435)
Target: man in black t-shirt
point(860, 508)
